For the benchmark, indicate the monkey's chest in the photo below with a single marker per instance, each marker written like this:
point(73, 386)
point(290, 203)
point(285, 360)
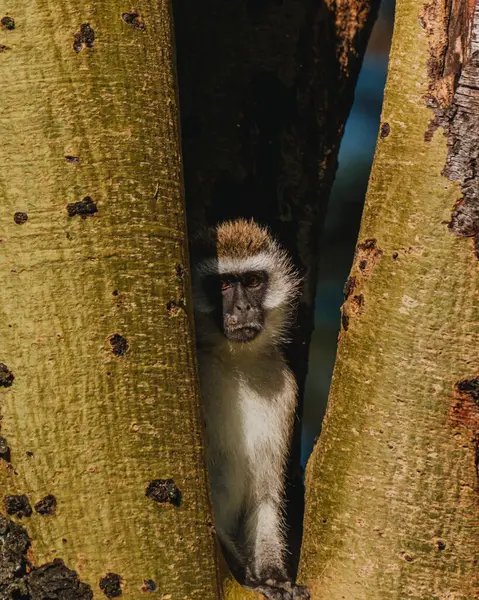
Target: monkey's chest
point(245, 420)
point(244, 430)
point(261, 430)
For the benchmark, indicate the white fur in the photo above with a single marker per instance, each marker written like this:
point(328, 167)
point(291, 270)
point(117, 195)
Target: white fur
point(219, 266)
point(249, 402)
point(282, 278)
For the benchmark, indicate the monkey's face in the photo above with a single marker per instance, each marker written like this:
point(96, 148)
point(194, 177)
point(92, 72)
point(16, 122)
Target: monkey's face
point(245, 288)
point(240, 300)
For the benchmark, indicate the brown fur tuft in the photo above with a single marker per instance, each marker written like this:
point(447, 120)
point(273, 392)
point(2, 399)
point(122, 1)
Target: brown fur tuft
point(235, 239)
point(241, 239)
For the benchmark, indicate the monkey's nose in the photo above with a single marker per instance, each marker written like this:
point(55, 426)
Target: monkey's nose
point(244, 307)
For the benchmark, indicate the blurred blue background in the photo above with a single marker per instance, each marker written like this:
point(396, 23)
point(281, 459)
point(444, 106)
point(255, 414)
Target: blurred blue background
point(343, 220)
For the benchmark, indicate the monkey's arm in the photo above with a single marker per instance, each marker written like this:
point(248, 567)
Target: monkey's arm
point(270, 438)
point(265, 527)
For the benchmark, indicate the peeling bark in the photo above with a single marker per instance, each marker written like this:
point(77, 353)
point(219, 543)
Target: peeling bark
point(454, 96)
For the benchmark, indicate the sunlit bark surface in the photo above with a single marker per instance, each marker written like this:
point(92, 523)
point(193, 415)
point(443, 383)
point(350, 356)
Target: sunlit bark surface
point(392, 506)
point(95, 305)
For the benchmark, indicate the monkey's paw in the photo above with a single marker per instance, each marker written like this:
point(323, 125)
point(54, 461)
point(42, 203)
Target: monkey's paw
point(280, 590)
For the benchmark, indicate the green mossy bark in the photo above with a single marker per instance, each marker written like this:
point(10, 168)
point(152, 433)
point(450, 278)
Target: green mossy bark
point(88, 426)
point(392, 504)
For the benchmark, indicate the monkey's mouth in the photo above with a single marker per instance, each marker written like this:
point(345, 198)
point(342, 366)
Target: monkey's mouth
point(243, 333)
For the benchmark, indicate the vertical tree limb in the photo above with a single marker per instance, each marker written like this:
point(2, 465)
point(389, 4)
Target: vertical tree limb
point(392, 506)
point(98, 392)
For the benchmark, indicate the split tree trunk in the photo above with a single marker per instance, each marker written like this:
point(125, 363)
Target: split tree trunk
point(392, 491)
point(98, 388)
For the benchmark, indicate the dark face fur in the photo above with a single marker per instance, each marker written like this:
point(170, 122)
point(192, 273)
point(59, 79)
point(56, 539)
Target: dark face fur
point(240, 301)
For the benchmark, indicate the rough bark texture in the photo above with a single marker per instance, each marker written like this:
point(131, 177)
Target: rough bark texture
point(392, 490)
point(100, 424)
point(265, 89)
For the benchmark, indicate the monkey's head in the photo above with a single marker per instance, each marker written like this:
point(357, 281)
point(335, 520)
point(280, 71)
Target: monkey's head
point(245, 285)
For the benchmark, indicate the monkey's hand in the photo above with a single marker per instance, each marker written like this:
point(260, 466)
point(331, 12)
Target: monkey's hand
point(279, 590)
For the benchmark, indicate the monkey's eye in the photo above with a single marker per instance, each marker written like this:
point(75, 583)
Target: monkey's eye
point(252, 280)
point(225, 284)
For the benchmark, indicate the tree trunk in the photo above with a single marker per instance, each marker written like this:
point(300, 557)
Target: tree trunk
point(265, 90)
point(392, 505)
point(99, 397)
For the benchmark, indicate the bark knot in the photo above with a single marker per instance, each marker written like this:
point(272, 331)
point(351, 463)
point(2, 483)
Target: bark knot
point(83, 208)
point(6, 376)
point(111, 585)
point(85, 38)
point(47, 505)
point(133, 19)
point(20, 218)
point(18, 505)
point(8, 23)
point(164, 491)
point(119, 344)
point(366, 258)
point(4, 450)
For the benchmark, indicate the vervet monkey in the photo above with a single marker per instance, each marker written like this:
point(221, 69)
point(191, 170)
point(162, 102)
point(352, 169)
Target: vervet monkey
point(245, 292)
